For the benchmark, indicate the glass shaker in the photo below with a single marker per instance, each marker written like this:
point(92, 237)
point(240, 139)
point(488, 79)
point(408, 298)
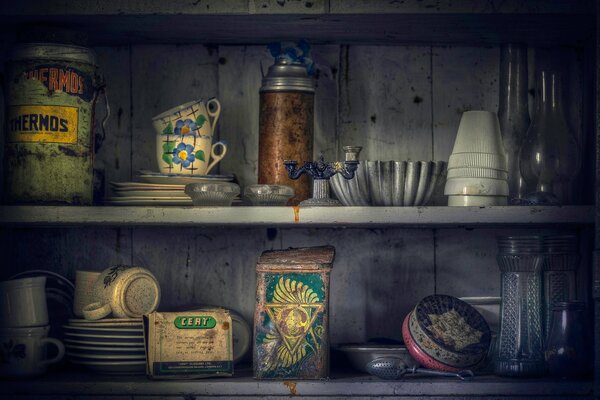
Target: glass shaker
point(566, 350)
point(549, 159)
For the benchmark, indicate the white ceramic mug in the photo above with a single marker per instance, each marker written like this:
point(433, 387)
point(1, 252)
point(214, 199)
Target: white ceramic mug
point(23, 351)
point(125, 292)
point(184, 136)
point(23, 303)
point(84, 286)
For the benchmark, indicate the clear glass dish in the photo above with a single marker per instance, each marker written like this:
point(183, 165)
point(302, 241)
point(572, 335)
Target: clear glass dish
point(268, 195)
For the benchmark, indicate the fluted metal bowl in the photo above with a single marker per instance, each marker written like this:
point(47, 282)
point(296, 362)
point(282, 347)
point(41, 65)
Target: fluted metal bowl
point(389, 183)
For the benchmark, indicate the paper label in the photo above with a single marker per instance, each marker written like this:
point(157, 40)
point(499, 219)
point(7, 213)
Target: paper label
point(50, 124)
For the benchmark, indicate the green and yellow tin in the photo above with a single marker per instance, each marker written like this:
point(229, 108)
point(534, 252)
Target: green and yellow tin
point(291, 318)
point(50, 107)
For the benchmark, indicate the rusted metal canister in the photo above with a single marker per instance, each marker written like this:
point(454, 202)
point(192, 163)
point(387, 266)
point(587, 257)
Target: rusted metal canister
point(291, 318)
point(286, 125)
point(50, 102)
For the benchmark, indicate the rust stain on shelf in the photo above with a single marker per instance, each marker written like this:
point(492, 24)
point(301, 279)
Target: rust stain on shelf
point(296, 213)
point(289, 384)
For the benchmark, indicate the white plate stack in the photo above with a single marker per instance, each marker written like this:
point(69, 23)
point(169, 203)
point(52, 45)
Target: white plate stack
point(112, 346)
point(148, 194)
point(477, 169)
point(156, 189)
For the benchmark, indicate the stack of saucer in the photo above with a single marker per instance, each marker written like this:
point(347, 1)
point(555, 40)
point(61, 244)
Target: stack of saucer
point(158, 189)
point(109, 346)
point(143, 194)
point(477, 169)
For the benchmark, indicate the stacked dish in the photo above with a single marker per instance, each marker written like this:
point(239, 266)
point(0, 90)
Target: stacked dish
point(108, 346)
point(477, 169)
point(157, 189)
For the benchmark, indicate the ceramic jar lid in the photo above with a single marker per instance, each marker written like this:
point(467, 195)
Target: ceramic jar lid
point(446, 334)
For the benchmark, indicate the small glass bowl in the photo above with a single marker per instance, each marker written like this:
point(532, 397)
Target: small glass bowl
point(219, 194)
point(268, 195)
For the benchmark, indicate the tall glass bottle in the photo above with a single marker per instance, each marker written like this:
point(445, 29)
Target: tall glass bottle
point(550, 158)
point(513, 111)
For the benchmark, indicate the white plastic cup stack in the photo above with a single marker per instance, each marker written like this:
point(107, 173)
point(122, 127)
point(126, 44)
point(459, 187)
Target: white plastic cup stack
point(477, 169)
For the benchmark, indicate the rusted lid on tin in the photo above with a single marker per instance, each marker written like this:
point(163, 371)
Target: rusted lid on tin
point(311, 258)
point(54, 52)
point(285, 75)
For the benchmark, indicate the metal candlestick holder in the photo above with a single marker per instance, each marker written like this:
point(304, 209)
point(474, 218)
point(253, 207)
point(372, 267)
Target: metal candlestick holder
point(320, 172)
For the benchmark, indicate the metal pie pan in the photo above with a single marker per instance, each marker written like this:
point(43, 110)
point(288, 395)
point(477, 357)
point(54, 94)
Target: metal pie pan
point(360, 355)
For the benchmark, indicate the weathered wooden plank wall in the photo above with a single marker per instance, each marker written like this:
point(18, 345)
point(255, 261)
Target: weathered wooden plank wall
point(398, 102)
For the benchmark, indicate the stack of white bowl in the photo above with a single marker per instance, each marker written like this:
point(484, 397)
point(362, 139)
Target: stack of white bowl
point(477, 169)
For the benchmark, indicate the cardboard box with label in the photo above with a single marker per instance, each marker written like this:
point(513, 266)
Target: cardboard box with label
point(189, 344)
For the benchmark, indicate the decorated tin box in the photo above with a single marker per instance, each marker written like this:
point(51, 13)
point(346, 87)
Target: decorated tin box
point(291, 318)
point(189, 344)
point(446, 334)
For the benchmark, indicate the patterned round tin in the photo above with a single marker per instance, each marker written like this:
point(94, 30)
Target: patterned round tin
point(446, 334)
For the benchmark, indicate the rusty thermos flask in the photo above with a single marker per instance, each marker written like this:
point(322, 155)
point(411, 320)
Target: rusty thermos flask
point(286, 125)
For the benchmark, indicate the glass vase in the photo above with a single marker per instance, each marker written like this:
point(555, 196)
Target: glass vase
point(566, 351)
point(549, 159)
point(520, 344)
point(513, 111)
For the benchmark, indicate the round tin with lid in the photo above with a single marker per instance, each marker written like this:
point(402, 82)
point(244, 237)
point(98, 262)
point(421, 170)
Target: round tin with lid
point(447, 334)
point(285, 75)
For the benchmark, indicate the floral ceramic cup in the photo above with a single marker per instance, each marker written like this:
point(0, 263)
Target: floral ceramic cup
point(184, 138)
point(23, 351)
point(125, 292)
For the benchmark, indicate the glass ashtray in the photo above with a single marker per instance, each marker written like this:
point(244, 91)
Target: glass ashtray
point(219, 194)
point(268, 195)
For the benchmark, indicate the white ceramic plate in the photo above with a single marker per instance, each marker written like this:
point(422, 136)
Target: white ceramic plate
point(114, 367)
point(60, 280)
point(104, 330)
point(140, 201)
point(106, 322)
point(107, 338)
point(150, 193)
point(242, 334)
point(106, 357)
point(144, 186)
point(184, 179)
point(104, 349)
point(130, 346)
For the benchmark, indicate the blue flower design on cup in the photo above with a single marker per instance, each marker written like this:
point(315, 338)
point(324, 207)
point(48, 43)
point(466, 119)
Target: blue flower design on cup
point(184, 127)
point(184, 154)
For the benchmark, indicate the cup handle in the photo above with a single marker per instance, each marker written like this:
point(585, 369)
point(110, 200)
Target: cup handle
point(95, 311)
point(214, 114)
point(59, 346)
point(216, 157)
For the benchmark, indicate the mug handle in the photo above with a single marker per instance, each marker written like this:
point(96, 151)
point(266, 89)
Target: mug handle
point(216, 157)
point(95, 311)
point(214, 114)
point(59, 346)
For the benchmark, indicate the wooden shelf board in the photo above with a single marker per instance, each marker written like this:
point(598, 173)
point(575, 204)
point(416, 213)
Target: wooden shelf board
point(296, 217)
point(76, 382)
point(346, 28)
